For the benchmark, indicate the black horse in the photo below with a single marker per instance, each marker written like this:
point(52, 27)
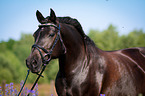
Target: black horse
point(84, 69)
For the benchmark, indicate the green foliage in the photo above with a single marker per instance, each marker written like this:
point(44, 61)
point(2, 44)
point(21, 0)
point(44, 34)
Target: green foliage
point(110, 39)
point(52, 70)
point(22, 48)
point(5, 74)
point(9, 61)
point(12, 59)
point(13, 53)
point(32, 78)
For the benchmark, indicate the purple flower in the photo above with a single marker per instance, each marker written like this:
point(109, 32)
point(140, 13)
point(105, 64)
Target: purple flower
point(31, 91)
point(0, 91)
point(36, 90)
point(15, 92)
point(7, 89)
point(11, 84)
point(26, 90)
point(7, 85)
point(11, 89)
point(102, 94)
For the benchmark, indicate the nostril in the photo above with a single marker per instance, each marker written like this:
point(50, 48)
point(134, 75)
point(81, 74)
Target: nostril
point(34, 62)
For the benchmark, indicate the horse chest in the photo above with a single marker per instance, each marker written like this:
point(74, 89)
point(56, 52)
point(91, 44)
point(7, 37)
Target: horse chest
point(79, 77)
point(74, 86)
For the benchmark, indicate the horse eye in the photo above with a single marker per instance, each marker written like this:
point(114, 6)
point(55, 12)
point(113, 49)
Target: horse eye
point(51, 35)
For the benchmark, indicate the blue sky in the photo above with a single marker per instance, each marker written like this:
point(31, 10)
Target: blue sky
point(18, 16)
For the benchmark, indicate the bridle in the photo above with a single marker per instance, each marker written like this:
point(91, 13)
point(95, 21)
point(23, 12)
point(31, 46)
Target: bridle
point(47, 53)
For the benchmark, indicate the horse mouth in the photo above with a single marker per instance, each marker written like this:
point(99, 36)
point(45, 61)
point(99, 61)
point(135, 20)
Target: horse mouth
point(35, 71)
point(34, 66)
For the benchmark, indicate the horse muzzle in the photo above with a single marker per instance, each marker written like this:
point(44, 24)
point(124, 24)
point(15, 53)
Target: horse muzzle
point(34, 65)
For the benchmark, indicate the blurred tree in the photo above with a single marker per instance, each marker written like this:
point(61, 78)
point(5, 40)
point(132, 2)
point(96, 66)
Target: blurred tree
point(10, 44)
point(136, 38)
point(52, 69)
point(22, 48)
point(109, 39)
point(6, 75)
point(3, 46)
point(10, 62)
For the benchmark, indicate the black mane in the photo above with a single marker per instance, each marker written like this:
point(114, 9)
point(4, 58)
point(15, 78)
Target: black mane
point(77, 25)
point(73, 22)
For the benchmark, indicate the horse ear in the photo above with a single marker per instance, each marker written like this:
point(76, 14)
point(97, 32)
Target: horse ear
point(39, 16)
point(52, 16)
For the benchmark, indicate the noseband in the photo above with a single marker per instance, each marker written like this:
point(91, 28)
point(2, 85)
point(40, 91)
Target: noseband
point(48, 53)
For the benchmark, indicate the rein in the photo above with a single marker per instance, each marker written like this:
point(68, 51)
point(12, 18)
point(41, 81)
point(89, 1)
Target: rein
point(48, 53)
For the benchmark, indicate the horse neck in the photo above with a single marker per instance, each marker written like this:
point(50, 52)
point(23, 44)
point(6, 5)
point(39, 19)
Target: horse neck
point(79, 52)
point(74, 44)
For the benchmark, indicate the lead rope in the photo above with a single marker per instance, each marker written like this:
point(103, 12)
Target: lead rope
point(44, 66)
point(40, 75)
point(24, 82)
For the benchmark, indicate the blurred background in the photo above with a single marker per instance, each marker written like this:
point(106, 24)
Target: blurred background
point(112, 24)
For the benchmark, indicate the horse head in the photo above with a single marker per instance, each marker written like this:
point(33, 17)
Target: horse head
point(48, 42)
